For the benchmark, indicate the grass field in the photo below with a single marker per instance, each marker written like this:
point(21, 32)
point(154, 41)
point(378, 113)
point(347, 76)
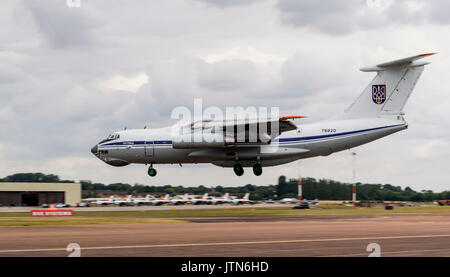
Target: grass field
point(144, 217)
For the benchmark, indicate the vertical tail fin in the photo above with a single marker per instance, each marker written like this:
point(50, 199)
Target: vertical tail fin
point(387, 93)
point(246, 196)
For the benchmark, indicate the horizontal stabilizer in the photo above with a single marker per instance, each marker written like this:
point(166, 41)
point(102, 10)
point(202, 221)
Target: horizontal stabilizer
point(401, 63)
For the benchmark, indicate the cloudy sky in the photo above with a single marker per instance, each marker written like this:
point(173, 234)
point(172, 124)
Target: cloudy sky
point(70, 76)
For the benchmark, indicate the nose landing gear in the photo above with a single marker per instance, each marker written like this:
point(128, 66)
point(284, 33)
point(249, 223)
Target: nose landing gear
point(151, 171)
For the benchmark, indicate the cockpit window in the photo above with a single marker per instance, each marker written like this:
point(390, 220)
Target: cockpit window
point(110, 137)
point(113, 136)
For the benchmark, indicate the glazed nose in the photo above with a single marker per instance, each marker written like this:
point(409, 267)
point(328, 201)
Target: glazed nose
point(94, 149)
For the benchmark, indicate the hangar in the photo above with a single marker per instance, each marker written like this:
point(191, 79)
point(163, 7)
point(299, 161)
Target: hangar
point(36, 194)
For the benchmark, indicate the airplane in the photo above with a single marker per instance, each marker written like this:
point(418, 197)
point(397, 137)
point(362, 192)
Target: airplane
point(243, 200)
point(221, 200)
point(162, 200)
point(148, 200)
point(125, 202)
point(108, 201)
point(289, 201)
point(181, 200)
point(311, 202)
point(377, 112)
point(201, 201)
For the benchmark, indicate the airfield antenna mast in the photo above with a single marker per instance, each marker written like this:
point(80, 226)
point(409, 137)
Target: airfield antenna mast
point(354, 179)
point(300, 184)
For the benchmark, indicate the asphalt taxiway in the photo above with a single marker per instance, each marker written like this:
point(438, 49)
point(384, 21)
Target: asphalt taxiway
point(261, 236)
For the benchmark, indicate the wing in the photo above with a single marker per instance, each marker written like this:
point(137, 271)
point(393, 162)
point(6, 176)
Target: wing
point(256, 130)
point(239, 132)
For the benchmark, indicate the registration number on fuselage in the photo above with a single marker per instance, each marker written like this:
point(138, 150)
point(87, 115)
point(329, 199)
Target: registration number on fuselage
point(328, 130)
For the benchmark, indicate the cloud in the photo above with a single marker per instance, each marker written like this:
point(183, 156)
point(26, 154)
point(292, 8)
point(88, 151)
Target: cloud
point(122, 83)
point(227, 3)
point(243, 53)
point(332, 17)
point(343, 17)
point(61, 26)
point(227, 75)
point(71, 76)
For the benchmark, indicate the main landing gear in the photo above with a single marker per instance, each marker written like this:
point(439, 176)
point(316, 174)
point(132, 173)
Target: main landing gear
point(239, 170)
point(151, 171)
point(257, 169)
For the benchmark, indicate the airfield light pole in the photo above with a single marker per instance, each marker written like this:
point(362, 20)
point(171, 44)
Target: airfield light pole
point(299, 184)
point(354, 179)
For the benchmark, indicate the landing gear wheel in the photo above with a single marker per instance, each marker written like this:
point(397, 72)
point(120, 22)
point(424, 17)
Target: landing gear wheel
point(257, 169)
point(151, 171)
point(238, 169)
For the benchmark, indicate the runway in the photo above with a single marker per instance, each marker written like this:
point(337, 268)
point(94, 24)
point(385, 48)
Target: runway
point(349, 235)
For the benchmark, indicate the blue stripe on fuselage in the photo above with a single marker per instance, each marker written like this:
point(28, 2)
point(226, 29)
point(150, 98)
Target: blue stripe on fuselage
point(334, 135)
point(139, 142)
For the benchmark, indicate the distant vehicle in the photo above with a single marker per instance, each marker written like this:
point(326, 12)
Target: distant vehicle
point(83, 204)
point(289, 201)
point(270, 201)
point(57, 205)
point(302, 205)
point(243, 200)
point(201, 201)
point(108, 201)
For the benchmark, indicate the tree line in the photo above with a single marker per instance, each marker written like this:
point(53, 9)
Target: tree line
point(312, 188)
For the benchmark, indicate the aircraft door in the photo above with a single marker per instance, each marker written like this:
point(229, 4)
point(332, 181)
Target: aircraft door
point(149, 151)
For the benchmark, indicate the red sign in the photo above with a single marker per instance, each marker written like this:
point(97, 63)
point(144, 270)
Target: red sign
point(51, 213)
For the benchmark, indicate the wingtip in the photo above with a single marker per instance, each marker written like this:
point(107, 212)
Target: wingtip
point(427, 54)
point(292, 117)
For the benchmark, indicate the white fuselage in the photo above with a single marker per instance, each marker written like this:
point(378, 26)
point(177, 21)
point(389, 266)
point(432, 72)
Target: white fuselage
point(154, 146)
